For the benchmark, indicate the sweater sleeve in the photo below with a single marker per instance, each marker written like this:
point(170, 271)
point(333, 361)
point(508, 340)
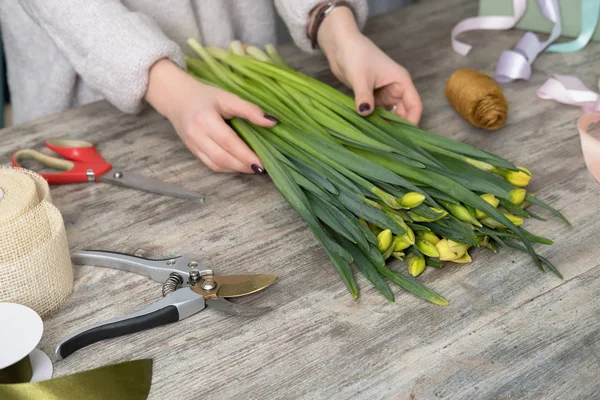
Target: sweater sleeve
point(296, 13)
point(110, 47)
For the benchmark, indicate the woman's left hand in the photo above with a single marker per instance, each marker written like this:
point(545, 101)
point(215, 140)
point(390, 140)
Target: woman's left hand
point(374, 77)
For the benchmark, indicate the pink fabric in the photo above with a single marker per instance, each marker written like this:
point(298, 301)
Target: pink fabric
point(568, 89)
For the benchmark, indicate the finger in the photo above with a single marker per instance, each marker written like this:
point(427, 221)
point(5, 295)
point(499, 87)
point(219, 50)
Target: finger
point(400, 110)
point(233, 106)
point(412, 104)
point(221, 157)
point(207, 161)
point(363, 94)
point(229, 141)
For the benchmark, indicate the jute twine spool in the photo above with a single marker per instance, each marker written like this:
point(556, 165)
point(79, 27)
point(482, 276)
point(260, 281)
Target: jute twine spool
point(477, 98)
point(35, 264)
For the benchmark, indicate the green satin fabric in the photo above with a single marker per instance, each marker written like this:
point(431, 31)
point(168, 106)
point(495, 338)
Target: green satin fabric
point(125, 381)
point(18, 372)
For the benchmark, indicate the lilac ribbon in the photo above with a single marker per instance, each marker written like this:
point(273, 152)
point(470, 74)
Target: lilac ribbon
point(516, 63)
point(486, 23)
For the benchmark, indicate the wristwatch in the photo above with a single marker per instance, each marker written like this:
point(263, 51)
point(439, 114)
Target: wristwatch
point(320, 16)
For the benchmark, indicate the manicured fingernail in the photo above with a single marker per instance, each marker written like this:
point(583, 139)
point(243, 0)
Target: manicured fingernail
point(271, 118)
point(364, 107)
point(257, 169)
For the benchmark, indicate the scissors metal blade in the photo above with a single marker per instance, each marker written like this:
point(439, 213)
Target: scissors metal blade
point(241, 285)
point(220, 304)
point(141, 182)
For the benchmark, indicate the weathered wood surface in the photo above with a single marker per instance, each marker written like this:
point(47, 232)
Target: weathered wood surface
point(509, 332)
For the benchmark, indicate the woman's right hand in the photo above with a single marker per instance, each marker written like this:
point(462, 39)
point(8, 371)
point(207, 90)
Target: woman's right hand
point(197, 112)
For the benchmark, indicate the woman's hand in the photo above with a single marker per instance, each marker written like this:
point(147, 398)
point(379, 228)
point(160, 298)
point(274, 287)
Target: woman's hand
point(197, 112)
point(373, 76)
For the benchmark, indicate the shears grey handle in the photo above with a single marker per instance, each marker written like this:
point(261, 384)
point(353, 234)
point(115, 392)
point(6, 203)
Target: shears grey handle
point(174, 307)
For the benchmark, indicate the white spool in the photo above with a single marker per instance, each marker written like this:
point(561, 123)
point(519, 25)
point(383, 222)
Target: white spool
point(22, 329)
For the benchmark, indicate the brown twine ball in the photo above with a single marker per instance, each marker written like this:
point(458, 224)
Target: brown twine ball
point(477, 98)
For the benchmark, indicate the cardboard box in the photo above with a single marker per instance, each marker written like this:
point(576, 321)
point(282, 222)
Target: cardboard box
point(534, 20)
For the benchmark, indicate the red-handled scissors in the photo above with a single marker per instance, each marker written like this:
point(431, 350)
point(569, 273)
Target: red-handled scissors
point(83, 163)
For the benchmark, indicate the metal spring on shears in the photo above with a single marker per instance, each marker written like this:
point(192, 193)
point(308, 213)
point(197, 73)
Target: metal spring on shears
point(172, 284)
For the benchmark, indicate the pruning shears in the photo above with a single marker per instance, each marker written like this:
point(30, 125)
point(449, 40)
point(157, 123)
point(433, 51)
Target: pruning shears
point(187, 289)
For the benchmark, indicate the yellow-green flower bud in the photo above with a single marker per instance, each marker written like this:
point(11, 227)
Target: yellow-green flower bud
point(419, 218)
point(416, 264)
point(429, 236)
point(411, 200)
point(463, 260)
point(517, 196)
point(388, 199)
point(485, 242)
point(398, 255)
point(374, 229)
point(462, 213)
point(518, 221)
point(450, 250)
point(384, 240)
point(479, 164)
point(492, 223)
point(400, 243)
point(519, 178)
point(427, 248)
point(491, 200)
point(388, 252)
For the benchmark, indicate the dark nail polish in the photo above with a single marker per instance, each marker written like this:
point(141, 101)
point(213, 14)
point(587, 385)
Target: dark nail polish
point(364, 107)
point(271, 118)
point(257, 169)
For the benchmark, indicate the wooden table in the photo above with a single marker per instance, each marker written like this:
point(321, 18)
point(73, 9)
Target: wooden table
point(509, 332)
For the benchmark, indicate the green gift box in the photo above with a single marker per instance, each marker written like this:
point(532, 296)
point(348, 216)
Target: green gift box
point(534, 20)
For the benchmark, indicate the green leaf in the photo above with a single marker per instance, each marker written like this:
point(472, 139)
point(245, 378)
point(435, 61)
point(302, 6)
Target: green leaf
point(368, 269)
point(545, 261)
point(540, 203)
point(413, 286)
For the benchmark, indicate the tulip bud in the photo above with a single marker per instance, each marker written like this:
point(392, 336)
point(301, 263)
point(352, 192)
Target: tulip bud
point(416, 264)
point(398, 255)
point(491, 200)
point(400, 243)
point(492, 223)
point(427, 248)
point(450, 250)
point(388, 199)
point(485, 242)
point(374, 229)
point(517, 196)
point(519, 178)
point(411, 200)
point(384, 240)
point(517, 221)
point(463, 260)
point(479, 164)
point(419, 218)
point(429, 236)
point(461, 213)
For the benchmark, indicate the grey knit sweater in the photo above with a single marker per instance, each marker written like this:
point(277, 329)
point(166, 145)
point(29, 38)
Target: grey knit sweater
point(65, 53)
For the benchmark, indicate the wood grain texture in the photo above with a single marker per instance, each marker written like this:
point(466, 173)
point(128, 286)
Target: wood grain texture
point(509, 331)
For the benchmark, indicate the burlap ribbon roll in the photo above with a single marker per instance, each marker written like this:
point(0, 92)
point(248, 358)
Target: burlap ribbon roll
point(35, 264)
point(477, 98)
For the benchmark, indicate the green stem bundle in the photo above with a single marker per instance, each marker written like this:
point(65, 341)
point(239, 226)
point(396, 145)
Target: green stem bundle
point(366, 185)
